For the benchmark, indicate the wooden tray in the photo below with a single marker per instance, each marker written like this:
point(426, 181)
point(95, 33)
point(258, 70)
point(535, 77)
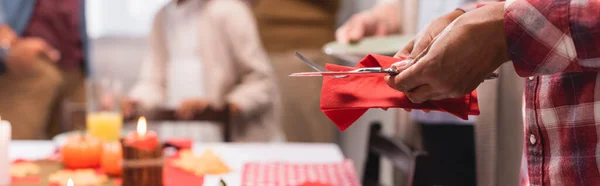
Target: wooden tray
point(47, 167)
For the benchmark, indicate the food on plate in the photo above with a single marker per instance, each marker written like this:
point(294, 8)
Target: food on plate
point(112, 156)
point(207, 163)
point(81, 151)
point(23, 169)
point(80, 177)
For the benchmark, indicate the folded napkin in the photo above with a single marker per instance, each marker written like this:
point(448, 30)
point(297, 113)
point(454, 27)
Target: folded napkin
point(299, 174)
point(344, 100)
point(173, 176)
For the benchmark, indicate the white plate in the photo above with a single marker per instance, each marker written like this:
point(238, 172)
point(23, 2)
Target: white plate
point(387, 45)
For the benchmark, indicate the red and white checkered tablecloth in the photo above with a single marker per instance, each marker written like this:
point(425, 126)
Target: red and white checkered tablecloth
point(294, 174)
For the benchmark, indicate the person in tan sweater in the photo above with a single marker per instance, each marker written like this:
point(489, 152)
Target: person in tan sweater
point(208, 53)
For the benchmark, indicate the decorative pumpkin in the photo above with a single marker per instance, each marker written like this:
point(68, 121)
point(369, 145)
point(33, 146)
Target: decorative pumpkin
point(112, 157)
point(81, 151)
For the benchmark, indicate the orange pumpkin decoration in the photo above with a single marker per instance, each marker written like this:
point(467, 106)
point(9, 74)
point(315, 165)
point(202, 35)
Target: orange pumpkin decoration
point(81, 151)
point(112, 156)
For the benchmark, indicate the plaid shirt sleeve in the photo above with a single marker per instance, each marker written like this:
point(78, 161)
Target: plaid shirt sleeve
point(552, 36)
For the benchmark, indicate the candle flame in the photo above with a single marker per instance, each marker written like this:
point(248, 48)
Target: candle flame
point(141, 126)
point(70, 182)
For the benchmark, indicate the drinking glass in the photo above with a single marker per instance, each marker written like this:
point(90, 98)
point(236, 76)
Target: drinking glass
point(104, 119)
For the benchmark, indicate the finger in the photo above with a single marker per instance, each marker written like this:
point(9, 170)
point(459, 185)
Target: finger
point(420, 45)
point(133, 106)
point(440, 97)
point(45, 50)
point(405, 52)
point(182, 110)
point(421, 94)
point(407, 79)
point(381, 30)
point(52, 54)
point(356, 30)
point(341, 34)
point(202, 106)
point(402, 65)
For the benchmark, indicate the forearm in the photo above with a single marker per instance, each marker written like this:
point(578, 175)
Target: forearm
point(256, 90)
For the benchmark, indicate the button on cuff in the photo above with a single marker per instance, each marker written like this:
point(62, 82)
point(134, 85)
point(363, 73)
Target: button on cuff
point(532, 139)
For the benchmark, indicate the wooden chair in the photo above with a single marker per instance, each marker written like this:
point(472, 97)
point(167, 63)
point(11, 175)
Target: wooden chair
point(403, 158)
point(210, 114)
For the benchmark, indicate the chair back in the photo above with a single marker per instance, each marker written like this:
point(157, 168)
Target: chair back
point(220, 116)
point(403, 158)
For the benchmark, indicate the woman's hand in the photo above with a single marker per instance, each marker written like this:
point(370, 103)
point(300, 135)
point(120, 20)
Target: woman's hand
point(24, 53)
point(381, 20)
point(191, 107)
point(129, 107)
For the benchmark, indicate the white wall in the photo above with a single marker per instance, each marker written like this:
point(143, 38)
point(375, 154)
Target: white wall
point(121, 17)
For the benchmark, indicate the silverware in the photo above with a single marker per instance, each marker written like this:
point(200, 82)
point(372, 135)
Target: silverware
point(320, 71)
point(360, 71)
point(314, 65)
point(310, 63)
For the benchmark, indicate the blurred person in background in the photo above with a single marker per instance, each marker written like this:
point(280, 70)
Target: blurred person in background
point(449, 141)
point(287, 26)
point(43, 61)
point(208, 54)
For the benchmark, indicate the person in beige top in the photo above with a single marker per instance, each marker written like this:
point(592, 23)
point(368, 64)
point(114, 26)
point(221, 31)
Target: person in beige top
point(208, 53)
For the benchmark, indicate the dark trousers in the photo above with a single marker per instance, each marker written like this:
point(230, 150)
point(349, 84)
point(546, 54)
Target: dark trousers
point(451, 156)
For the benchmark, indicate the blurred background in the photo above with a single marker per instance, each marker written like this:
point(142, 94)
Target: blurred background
point(128, 40)
point(119, 30)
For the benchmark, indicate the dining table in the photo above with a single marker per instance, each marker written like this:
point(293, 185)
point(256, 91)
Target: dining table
point(235, 155)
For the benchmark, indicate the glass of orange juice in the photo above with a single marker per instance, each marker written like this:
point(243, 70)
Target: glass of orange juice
point(104, 120)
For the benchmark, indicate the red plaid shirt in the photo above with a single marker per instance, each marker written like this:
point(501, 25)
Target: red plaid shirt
point(556, 44)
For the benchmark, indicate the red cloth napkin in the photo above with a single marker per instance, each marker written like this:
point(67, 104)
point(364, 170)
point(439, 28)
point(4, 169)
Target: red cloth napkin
point(173, 176)
point(299, 174)
point(344, 100)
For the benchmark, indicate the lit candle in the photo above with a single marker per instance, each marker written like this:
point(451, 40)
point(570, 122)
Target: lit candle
point(5, 135)
point(70, 182)
point(142, 138)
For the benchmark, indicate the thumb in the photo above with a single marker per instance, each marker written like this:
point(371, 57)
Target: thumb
point(52, 54)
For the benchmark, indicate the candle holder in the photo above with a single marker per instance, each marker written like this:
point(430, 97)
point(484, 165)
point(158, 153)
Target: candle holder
point(142, 167)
